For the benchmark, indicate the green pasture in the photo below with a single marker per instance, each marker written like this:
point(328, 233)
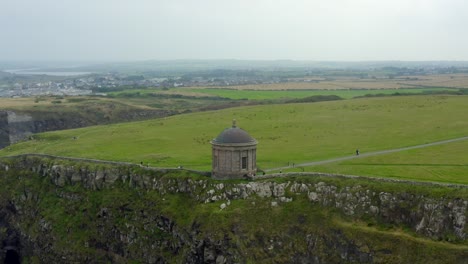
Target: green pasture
point(290, 94)
point(273, 94)
point(442, 163)
point(296, 133)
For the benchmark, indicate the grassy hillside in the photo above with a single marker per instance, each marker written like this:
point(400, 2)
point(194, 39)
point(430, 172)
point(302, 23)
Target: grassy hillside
point(286, 133)
point(444, 163)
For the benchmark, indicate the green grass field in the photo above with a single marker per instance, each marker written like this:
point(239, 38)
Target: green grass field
point(280, 94)
point(286, 133)
point(443, 163)
point(237, 94)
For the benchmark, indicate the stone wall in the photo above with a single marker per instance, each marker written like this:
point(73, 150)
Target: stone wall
point(227, 161)
point(21, 126)
point(15, 126)
point(4, 130)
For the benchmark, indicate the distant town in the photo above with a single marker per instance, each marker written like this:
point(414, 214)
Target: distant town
point(74, 85)
point(26, 83)
point(101, 83)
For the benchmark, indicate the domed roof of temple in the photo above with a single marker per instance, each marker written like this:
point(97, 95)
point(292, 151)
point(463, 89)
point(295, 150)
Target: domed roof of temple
point(233, 135)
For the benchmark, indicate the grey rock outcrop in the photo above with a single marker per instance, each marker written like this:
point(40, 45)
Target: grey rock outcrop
point(432, 217)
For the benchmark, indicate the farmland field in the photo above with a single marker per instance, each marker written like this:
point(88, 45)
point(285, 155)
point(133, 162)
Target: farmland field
point(286, 133)
point(436, 80)
point(100, 104)
point(345, 87)
point(279, 94)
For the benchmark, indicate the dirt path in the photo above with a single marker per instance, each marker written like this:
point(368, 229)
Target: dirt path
point(368, 154)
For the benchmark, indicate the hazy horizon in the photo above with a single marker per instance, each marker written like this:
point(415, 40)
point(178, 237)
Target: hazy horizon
point(297, 30)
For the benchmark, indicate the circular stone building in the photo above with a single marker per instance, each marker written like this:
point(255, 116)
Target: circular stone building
point(234, 154)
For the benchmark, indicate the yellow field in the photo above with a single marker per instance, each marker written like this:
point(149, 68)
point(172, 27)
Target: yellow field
point(16, 103)
point(443, 80)
point(70, 103)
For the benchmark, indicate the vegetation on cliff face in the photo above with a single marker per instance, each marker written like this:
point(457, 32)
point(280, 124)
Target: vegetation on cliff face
point(87, 212)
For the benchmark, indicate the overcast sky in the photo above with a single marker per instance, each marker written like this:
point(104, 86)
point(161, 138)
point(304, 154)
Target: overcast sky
point(347, 30)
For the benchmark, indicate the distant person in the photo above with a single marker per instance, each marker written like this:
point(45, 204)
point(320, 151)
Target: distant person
point(357, 152)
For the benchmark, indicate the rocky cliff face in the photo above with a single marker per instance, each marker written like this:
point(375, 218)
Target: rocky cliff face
point(151, 215)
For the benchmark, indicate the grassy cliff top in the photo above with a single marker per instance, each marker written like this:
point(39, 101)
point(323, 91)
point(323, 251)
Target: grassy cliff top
point(286, 133)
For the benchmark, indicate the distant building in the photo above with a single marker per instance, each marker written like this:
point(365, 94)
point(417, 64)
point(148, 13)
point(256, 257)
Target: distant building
point(234, 154)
